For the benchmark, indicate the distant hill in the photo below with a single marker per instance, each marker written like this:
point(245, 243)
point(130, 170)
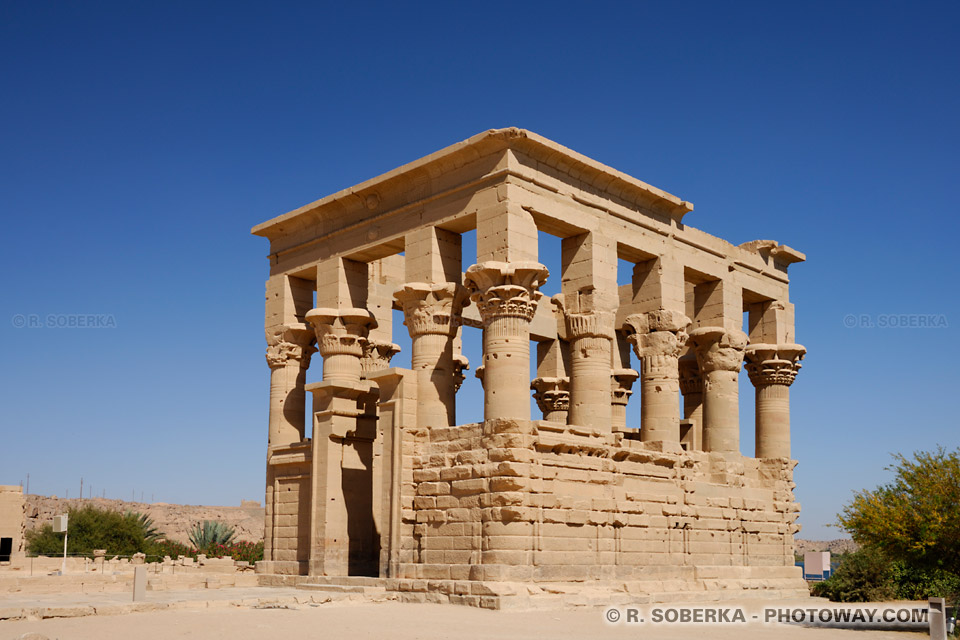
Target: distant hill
point(174, 520)
point(833, 546)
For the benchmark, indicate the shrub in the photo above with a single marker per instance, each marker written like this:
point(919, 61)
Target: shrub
point(241, 550)
point(912, 583)
point(90, 528)
point(172, 548)
point(862, 576)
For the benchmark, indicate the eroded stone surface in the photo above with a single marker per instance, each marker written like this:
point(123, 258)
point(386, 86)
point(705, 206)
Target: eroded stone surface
point(496, 511)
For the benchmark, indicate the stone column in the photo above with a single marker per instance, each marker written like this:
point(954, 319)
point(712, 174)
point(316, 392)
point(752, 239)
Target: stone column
point(720, 356)
point(506, 295)
point(658, 338)
point(772, 369)
point(288, 355)
point(621, 388)
point(590, 335)
point(691, 386)
point(553, 398)
point(341, 338)
point(432, 316)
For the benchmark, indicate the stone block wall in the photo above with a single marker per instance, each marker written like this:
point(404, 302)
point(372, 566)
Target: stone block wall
point(533, 501)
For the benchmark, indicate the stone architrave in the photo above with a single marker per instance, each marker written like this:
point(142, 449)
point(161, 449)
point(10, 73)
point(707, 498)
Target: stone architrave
point(506, 295)
point(772, 369)
point(720, 356)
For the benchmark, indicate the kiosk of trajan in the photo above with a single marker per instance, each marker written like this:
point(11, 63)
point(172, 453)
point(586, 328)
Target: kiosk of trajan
point(389, 491)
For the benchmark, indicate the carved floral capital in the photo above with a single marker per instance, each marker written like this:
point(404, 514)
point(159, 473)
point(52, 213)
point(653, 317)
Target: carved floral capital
point(769, 364)
point(289, 343)
point(432, 308)
point(718, 349)
point(505, 289)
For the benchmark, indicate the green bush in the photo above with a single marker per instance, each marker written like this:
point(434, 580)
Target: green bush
point(172, 548)
point(242, 550)
point(90, 528)
point(862, 576)
point(912, 583)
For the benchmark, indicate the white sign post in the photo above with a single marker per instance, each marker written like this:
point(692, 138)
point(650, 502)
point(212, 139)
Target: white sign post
point(60, 526)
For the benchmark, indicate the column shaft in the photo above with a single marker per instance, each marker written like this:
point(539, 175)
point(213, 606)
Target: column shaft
point(506, 367)
point(432, 359)
point(659, 399)
point(288, 355)
point(721, 411)
point(658, 338)
point(773, 421)
point(590, 380)
point(772, 369)
point(720, 356)
point(506, 295)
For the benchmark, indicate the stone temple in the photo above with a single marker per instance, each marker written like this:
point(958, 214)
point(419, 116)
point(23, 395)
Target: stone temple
point(519, 506)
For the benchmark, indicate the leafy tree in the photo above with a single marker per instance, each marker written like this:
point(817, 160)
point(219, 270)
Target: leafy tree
point(916, 518)
point(210, 533)
point(91, 528)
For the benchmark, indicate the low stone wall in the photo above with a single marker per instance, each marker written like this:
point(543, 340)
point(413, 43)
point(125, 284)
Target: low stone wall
point(538, 503)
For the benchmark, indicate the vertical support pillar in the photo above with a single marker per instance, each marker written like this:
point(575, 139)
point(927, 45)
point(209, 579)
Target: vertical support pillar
point(658, 337)
point(506, 296)
point(432, 315)
point(622, 378)
point(772, 362)
point(621, 388)
point(382, 278)
point(772, 369)
point(432, 300)
point(552, 386)
point(589, 302)
point(288, 356)
point(720, 356)
point(591, 337)
point(657, 331)
point(691, 386)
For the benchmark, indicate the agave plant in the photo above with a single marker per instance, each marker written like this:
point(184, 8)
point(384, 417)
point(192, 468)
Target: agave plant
point(146, 523)
point(210, 533)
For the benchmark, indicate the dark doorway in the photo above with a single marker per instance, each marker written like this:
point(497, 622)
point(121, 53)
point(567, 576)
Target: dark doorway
point(6, 549)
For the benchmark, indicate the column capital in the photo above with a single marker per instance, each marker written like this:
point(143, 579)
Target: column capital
point(691, 381)
point(590, 324)
point(289, 343)
point(460, 364)
point(376, 355)
point(432, 308)
point(719, 349)
point(502, 289)
point(773, 364)
point(621, 384)
point(341, 331)
point(551, 394)
point(657, 333)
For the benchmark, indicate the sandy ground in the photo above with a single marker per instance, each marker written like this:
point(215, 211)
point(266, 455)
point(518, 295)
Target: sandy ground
point(398, 621)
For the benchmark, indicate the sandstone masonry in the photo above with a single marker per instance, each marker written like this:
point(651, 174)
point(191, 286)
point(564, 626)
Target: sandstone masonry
point(389, 487)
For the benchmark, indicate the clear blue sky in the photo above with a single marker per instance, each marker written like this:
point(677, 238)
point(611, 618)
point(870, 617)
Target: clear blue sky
point(141, 141)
